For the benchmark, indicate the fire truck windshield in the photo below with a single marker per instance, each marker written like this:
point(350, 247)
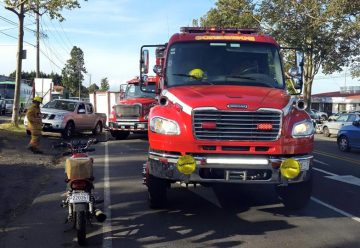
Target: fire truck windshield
point(134, 91)
point(224, 63)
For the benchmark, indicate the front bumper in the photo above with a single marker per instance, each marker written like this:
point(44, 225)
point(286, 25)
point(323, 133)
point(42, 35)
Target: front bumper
point(133, 126)
point(228, 169)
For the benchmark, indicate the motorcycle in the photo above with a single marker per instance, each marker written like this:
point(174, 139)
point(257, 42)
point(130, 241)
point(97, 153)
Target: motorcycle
point(80, 201)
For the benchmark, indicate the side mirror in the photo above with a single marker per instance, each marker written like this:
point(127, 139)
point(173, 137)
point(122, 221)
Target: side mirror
point(81, 111)
point(144, 62)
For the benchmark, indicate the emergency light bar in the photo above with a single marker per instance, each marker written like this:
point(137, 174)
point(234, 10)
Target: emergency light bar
point(219, 30)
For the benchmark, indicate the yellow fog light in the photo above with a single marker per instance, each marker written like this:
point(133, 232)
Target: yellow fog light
point(290, 168)
point(186, 164)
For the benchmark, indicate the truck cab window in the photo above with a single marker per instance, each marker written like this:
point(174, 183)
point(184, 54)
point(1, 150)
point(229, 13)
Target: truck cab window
point(89, 109)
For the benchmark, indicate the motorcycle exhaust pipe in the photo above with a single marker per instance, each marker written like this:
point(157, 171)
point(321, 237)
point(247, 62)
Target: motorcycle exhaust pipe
point(99, 215)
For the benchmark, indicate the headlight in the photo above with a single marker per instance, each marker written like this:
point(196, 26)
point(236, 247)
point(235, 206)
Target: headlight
point(302, 129)
point(59, 117)
point(164, 126)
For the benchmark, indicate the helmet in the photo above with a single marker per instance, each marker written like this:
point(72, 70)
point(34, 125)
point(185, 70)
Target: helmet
point(37, 99)
point(196, 73)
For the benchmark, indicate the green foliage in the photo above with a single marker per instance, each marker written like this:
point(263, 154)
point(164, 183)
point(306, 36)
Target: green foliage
point(230, 14)
point(327, 31)
point(29, 76)
point(51, 7)
point(92, 88)
point(104, 84)
point(72, 72)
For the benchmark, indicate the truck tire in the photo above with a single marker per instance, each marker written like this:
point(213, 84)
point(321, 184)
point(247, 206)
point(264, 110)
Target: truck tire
point(69, 130)
point(156, 191)
point(295, 196)
point(98, 128)
point(120, 135)
point(28, 132)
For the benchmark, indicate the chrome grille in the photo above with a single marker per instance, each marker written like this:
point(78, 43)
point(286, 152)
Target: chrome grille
point(237, 126)
point(127, 110)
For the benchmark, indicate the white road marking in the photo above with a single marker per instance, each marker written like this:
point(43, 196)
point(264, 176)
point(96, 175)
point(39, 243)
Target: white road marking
point(346, 179)
point(325, 172)
point(336, 209)
point(320, 162)
point(107, 229)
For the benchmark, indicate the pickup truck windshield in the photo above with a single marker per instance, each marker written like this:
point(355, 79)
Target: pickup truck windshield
point(224, 63)
point(134, 91)
point(61, 105)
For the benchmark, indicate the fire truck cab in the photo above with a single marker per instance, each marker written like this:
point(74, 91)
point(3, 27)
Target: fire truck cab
point(131, 113)
point(225, 116)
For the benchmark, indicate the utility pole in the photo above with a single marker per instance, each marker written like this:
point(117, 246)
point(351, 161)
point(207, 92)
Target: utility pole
point(37, 42)
point(78, 63)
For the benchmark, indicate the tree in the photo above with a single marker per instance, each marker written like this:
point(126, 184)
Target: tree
point(72, 72)
point(104, 84)
point(92, 88)
point(30, 76)
point(20, 7)
point(327, 31)
point(230, 13)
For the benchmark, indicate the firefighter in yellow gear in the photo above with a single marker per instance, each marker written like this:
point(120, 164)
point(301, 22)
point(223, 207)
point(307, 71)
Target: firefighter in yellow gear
point(34, 117)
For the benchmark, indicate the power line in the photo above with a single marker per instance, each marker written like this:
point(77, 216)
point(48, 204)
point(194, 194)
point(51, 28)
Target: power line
point(17, 38)
point(58, 57)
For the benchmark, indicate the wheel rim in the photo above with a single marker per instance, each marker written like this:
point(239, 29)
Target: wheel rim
point(343, 144)
point(98, 128)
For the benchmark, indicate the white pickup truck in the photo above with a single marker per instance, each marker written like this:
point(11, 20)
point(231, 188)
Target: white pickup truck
point(70, 116)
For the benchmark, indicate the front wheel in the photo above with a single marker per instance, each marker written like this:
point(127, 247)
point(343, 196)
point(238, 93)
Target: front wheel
point(81, 227)
point(295, 196)
point(326, 132)
point(156, 191)
point(69, 130)
point(343, 144)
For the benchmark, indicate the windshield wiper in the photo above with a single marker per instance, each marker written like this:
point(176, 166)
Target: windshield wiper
point(184, 75)
point(239, 76)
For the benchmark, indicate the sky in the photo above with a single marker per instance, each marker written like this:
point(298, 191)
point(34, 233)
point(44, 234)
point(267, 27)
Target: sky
point(110, 33)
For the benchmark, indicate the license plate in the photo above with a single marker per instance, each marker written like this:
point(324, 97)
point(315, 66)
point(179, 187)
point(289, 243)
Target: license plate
point(79, 197)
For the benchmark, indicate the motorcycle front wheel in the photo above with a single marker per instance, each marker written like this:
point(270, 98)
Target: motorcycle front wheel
point(81, 227)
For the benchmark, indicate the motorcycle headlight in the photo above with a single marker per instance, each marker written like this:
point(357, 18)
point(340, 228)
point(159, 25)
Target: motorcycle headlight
point(303, 129)
point(164, 126)
point(59, 117)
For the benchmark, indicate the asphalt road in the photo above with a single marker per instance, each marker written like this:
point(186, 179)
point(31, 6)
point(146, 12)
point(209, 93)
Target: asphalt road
point(195, 217)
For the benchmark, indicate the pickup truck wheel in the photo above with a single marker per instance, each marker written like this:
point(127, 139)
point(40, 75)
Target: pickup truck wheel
point(120, 135)
point(28, 132)
point(326, 132)
point(69, 130)
point(156, 191)
point(295, 196)
point(98, 128)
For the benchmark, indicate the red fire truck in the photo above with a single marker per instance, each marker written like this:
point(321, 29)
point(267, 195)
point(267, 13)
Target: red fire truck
point(225, 115)
point(131, 113)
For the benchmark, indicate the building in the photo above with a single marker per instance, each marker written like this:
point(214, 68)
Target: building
point(345, 100)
